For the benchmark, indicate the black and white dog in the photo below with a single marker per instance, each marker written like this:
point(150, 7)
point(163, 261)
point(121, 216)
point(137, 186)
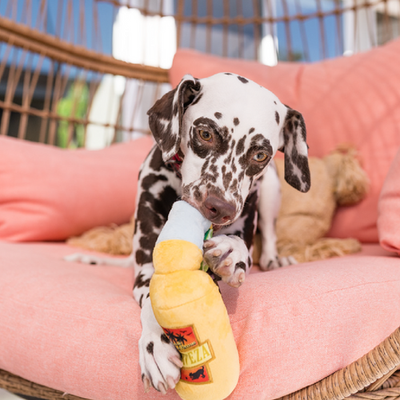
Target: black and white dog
point(216, 137)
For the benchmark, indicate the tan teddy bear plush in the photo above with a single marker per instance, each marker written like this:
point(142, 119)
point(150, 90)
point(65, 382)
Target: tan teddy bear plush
point(304, 218)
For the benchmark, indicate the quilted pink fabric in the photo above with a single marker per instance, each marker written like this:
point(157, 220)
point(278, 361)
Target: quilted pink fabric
point(389, 209)
point(75, 327)
point(351, 100)
point(51, 194)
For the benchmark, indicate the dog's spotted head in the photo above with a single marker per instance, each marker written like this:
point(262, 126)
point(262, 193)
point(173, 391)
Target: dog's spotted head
point(227, 129)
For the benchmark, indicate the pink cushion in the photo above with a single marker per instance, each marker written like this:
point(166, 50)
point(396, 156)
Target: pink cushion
point(75, 327)
point(389, 209)
point(50, 194)
point(345, 100)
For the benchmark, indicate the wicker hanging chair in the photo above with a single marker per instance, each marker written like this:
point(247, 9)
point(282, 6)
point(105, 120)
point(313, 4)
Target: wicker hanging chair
point(49, 49)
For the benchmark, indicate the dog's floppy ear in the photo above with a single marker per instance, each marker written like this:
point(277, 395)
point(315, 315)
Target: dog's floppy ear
point(293, 143)
point(165, 117)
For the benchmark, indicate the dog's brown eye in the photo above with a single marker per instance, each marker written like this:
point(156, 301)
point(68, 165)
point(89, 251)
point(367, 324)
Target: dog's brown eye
point(205, 135)
point(260, 157)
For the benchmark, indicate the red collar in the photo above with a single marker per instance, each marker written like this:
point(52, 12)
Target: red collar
point(175, 163)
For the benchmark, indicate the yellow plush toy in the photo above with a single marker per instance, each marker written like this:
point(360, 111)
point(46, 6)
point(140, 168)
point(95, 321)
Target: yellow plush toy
point(189, 307)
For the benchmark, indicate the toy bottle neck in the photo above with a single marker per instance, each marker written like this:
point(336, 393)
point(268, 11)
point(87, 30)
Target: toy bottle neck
point(185, 223)
point(176, 255)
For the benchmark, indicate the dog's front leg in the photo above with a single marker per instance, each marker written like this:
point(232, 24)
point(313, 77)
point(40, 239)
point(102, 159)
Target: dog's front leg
point(160, 363)
point(268, 208)
point(158, 189)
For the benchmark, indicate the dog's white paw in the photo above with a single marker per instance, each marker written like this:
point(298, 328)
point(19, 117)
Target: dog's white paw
point(84, 258)
point(125, 262)
point(228, 257)
point(269, 263)
point(160, 362)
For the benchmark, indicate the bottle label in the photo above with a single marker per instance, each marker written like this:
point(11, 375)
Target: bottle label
point(195, 355)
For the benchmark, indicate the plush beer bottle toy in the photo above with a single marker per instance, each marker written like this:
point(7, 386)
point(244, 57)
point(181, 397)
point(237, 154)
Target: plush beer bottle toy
point(189, 307)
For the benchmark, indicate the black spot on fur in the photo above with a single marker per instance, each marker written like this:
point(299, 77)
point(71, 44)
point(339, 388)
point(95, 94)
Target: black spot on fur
point(167, 198)
point(251, 130)
point(197, 193)
point(240, 265)
point(222, 146)
point(228, 73)
point(140, 281)
point(277, 117)
point(186, 189)
point(214, 170)
point(142, 257)
point(233, 166)
point(156, 162)
point(227, 180)
point(151, 179)
point(218, 115)
point(274, 101)
point(236, 121)
point(165, 339)
point(205, 166)
point(148, 242)
point(243, 80)
point(240, 145)
point(250, 210)
point(254, 169)
point(151, 215)
point(150, 348)
point(147, 219)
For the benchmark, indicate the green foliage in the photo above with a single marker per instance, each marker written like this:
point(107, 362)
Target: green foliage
point(74, 105)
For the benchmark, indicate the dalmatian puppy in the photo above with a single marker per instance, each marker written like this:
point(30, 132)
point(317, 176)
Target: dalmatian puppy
point(215, 141)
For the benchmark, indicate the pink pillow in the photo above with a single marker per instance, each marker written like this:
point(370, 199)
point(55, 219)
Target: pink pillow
point(75, 327)
point(50, 194)
point(345, 100)
point(389, 209)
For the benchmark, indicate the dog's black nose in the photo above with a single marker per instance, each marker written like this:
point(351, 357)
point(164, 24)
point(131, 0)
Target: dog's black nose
point(218, 211)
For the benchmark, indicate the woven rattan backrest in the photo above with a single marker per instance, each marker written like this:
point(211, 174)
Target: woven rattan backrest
point(72, 71)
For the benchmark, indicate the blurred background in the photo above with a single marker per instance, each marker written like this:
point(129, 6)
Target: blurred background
point(83, 73)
